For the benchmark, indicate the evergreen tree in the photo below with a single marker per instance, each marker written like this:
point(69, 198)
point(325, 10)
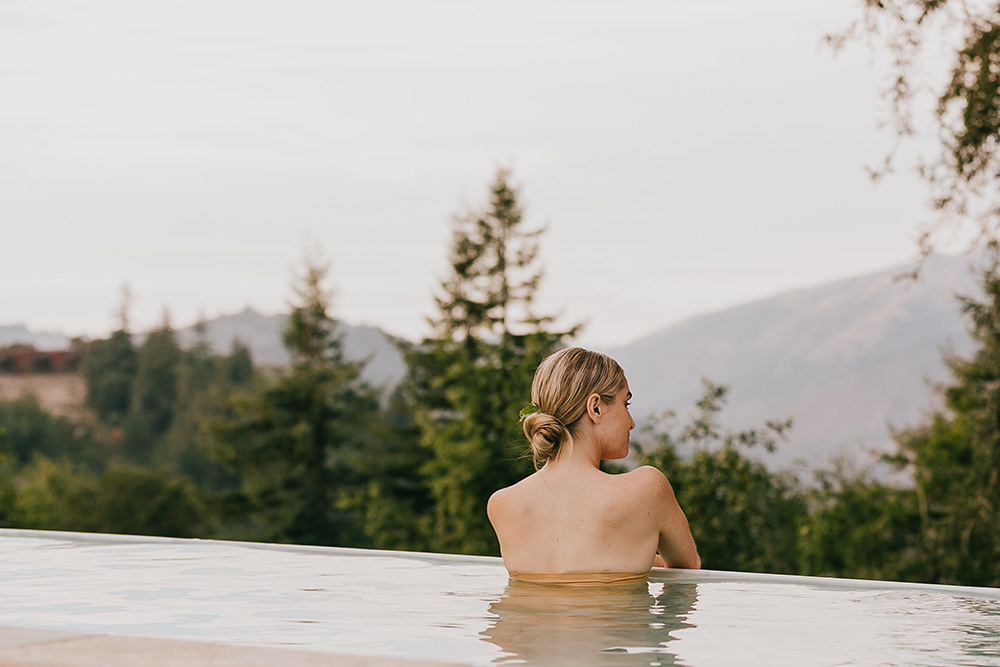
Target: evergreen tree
point(293, 441)
point(109, 368)
point(153, 400)
point(394, 499)
point(204, 380)
point(470, 379)
point(237, 369)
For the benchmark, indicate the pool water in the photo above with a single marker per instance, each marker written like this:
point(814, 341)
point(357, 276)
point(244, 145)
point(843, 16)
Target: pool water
point(464, 609)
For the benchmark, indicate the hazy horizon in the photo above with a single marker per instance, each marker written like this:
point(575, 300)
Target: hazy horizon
point(686, 158)
point(580, 340)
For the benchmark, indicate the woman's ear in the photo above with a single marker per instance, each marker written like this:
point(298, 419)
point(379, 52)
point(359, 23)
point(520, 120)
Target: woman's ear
point(594, 407)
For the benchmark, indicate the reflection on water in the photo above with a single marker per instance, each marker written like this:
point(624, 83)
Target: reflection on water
point(980, 629)
point(590, 625)
point(826, 623)
point(719, 623)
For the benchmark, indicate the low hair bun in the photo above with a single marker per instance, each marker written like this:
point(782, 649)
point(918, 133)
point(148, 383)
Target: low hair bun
point(563, 382)
point(546, 434)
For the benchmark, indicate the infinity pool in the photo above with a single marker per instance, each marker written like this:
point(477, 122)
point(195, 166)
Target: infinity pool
point(464, 609)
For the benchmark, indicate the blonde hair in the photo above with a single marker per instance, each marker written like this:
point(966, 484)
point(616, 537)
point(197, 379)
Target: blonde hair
point(560, 389)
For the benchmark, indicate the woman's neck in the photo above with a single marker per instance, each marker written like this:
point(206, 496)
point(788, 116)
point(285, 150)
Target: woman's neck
point(578, 452)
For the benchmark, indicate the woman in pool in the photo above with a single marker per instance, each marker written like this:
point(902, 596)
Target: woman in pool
point(569, 522)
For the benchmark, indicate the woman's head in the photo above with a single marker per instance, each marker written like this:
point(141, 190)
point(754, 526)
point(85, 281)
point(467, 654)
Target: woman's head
point(562, 384)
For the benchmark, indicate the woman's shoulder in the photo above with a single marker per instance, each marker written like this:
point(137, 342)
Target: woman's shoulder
point(499, 502)
point(645, 475)
point(506, 499)
point(647, 480)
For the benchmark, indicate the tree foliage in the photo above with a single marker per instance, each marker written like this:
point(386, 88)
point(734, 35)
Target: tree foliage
point(955, 458)
point(56, 495)
point(109, 367)
point(943, 526)
point(965, 174)
point(204, 380)
point(742, 516)
point(292, 441)
point(862, 528)
point(28, 430)
point(392, 499)
point(153, 399)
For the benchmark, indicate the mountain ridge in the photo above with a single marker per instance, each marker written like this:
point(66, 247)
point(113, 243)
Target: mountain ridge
point(844, 360)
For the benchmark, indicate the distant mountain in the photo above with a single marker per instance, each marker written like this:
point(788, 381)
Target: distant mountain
point(262, 334)
point(42, 340)
point(844, 360)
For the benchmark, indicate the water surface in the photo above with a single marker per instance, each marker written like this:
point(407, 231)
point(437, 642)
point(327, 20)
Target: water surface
point(465, 609)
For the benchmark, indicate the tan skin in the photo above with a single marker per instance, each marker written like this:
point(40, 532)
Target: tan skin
point(572, 517)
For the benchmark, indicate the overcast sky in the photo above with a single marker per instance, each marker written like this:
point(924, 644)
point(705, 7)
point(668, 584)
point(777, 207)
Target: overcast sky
point(687, 156)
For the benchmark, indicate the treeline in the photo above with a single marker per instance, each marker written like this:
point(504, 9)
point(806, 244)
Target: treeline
point(189, 443)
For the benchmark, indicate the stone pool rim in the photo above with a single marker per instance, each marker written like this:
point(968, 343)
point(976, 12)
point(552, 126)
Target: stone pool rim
point(655, 575)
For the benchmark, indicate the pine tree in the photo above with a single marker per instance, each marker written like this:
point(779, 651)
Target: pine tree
point(293, 441)
point(153, 399)
point(393, 499)
point(204, 380)
point(237, 368)
point(109, 367)
point(470, 378)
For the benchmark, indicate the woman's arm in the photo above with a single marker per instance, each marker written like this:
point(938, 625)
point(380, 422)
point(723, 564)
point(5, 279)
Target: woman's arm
point(675, 545)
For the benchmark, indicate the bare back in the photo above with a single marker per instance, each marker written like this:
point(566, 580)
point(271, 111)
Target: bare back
point(564, 520)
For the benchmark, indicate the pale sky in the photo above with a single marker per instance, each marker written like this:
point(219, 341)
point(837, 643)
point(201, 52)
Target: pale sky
point(687, 156)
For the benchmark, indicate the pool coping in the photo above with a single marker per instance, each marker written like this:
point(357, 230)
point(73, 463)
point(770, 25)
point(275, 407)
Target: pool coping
point(55, 648)
point(656, 574)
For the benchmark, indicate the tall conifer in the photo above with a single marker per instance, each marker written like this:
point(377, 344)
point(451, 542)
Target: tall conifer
point(109, 367)
point(292, 442)
point(153, 402)
point(474, 374)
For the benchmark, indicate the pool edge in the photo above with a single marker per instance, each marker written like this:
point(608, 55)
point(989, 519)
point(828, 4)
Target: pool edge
point(657, 573)
point(56, 648)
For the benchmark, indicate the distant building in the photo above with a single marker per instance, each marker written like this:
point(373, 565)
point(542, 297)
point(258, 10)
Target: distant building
point(22, 359)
